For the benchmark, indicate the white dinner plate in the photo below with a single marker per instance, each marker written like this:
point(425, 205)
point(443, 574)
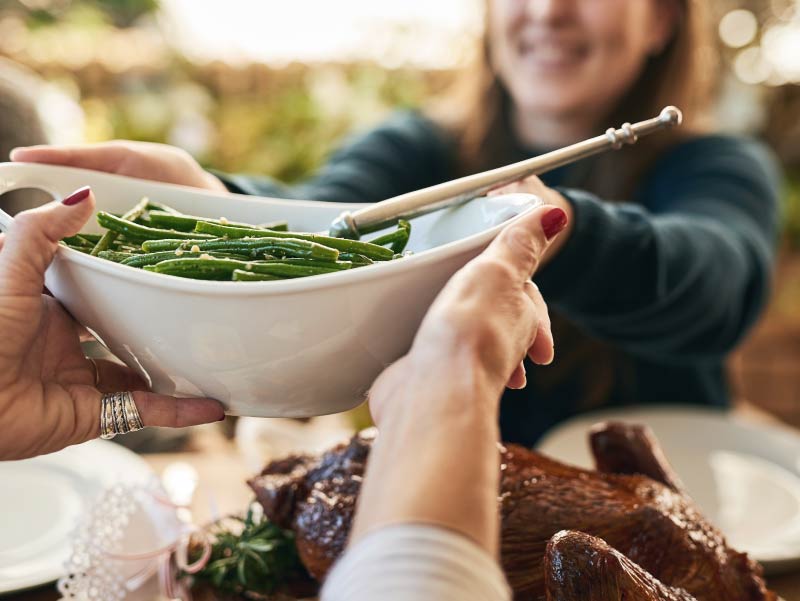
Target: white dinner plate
point(744, 476)
point(41, 500)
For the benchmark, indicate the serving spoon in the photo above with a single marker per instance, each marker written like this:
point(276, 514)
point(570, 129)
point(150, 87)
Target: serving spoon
point(453, 193)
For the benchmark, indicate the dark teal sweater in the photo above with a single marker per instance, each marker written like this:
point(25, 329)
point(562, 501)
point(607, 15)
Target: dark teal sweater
point(652, 293)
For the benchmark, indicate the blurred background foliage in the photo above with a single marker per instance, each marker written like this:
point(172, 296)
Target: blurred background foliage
point(113, 59)
point(272, 87)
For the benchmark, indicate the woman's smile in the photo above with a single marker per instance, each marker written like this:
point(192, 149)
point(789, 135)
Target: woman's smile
point(551, 55)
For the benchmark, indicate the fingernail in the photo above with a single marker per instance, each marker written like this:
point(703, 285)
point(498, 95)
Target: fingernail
point(77, 196)
point(553, 222)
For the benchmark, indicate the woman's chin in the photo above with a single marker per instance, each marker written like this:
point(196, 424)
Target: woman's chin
point(555, 103)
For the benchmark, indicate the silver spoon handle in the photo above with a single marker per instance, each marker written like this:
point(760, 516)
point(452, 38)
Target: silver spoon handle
point(413, 204)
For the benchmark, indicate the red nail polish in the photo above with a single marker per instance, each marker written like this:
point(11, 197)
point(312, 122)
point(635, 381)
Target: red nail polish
point(553, 222)
point(77, 196)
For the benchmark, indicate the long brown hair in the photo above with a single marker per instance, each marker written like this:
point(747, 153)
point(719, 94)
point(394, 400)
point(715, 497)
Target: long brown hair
point(683, 74)
point(477, 116)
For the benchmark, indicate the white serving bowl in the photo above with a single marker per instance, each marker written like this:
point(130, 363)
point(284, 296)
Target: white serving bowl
point(287, 348)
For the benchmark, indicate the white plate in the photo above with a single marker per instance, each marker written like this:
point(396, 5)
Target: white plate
point(41, 501)
point(744, 476)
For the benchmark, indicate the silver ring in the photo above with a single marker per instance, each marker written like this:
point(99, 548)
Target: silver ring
point(118, 415)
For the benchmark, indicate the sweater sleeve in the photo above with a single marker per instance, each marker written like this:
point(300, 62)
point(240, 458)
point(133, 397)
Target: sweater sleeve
point(407, 152)
point(410, 562)
point(681, 274)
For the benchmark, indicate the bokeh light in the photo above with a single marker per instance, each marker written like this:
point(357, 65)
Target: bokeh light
point(738, 28)
point(781, 47)
point(750, 66)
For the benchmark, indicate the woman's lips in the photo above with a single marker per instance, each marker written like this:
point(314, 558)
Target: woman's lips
point(548, 56)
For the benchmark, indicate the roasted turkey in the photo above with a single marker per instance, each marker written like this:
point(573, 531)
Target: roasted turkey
point(625, 531)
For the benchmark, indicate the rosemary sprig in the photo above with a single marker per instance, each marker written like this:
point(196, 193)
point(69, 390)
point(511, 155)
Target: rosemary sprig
point(248, 555)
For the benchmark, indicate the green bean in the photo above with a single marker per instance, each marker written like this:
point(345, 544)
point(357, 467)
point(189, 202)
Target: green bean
point(87, 250)
point(166, 255)
point(77, 240)
point(157, 206)
point(356, 259)
point(252, 246)
point(275, 226)
point(151, 246)
point(115, 256)
point(140, 232)
point(332, 265)
point(372, 251)
point(111, 235)
point(127, 248)
point(397, 239)
point(201, 269)
point(222, 269)
point(187, 223)
point(92, 238)
point(288, 270)
point(240, 275)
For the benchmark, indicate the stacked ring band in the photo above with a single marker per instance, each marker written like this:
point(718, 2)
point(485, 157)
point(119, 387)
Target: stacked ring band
point(118, 415)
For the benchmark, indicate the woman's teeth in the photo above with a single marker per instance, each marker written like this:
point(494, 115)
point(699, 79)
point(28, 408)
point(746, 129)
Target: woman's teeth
point(549, 54)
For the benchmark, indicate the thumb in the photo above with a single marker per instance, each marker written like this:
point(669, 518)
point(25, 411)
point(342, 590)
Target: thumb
point(31, 242)
point(523, 242)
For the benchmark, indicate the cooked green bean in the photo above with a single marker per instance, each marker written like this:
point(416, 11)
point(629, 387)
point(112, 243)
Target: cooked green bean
point(114, 255)
point(210, 268)
point(332, 265)
point(288, 270)
point(166, 255)
point(397, 239)
point(157, 206)
point(372, 251)
point(93, 238)
point(201, 269)
point(87, 250)
point(187, 223)
point(111, 235)
point(253, 246)
point(240, 275)
point(78, 240)
point(356, 259)
point(134, 231)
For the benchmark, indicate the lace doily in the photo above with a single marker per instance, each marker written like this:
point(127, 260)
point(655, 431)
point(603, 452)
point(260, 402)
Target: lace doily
point(102, 566)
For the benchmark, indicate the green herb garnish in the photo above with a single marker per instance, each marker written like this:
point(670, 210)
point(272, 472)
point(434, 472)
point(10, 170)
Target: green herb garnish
point(250, 555)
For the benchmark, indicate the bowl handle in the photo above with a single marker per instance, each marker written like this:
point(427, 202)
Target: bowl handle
point(14, 176)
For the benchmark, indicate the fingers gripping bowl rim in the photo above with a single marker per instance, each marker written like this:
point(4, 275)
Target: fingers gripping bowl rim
point(297, 347)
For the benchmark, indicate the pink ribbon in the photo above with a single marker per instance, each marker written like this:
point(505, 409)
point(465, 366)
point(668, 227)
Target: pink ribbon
point(171, 560)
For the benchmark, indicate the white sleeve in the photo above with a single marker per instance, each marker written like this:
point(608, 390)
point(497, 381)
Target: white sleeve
point(416, 562)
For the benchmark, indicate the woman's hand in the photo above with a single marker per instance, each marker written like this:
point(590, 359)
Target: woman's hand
point(533, 185)
point(490, 315)
point(435, 460)
point(144, 160)
point(49, 392)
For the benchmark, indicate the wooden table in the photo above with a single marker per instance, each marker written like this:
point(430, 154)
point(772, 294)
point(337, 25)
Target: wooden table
point(222, 470)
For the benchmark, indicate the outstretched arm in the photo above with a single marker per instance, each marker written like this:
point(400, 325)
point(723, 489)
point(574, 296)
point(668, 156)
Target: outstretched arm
point(427, 513)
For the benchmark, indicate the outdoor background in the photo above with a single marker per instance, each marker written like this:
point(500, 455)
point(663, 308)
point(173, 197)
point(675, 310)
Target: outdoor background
point(271, 86)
